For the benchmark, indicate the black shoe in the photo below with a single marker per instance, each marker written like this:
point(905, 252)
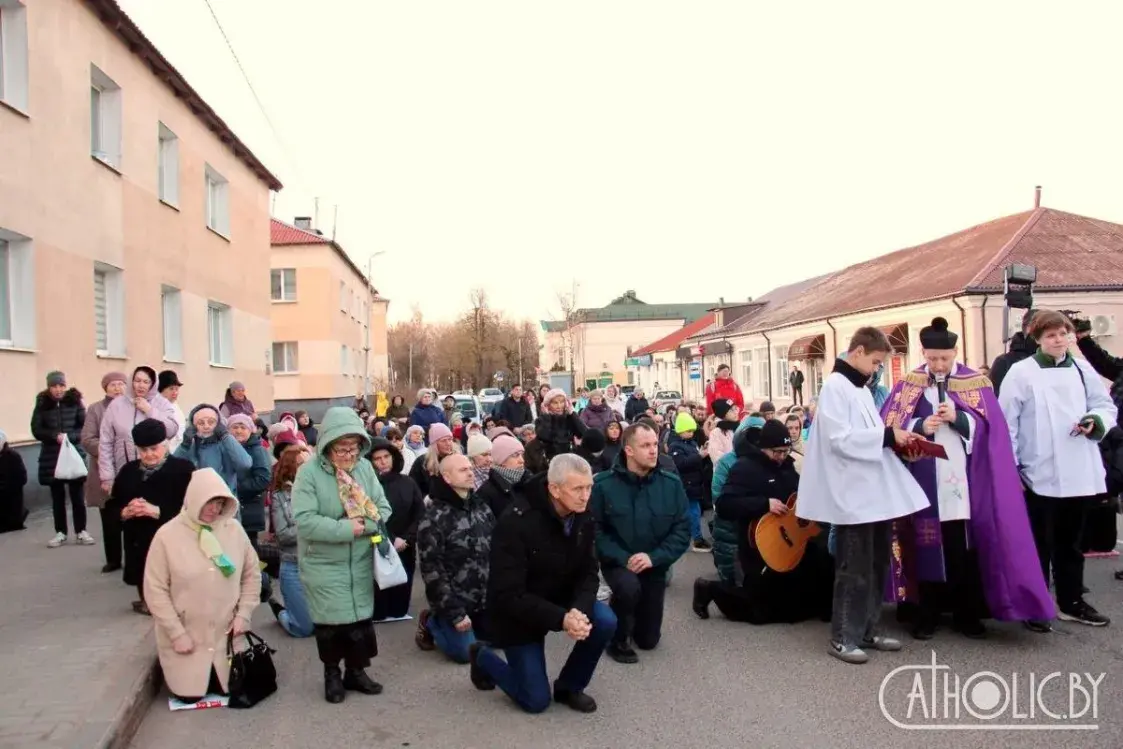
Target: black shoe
point(1040, 626)
point(1082, 613)
point(1119, 574)
point(275, 607)
point(578, 701)
point(702, 546)
point(356, 680)
point(334, 691)
point(107, 568)
point(702, 598)
point(924, 629)
point(480, 680)
point(622, 652)
point(971, 628)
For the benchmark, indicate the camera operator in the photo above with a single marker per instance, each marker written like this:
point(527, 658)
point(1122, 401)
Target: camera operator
point(1106, 366)
point(1022, 346)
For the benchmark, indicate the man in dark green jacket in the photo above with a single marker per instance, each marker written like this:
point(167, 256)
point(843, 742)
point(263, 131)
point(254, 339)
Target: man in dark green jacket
point(643, 527)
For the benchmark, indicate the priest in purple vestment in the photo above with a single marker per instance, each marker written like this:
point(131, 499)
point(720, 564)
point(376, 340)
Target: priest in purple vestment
point(971, 551)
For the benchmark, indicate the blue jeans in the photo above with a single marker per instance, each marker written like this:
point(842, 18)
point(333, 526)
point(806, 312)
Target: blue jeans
point(450, 642)
point(523, 675)
point(295, 619)
point(696, 520)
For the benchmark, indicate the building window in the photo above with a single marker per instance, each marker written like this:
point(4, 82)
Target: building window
point(746, 371)
point(760, 357)
point(343, 359)
point(105, 118)
point(284, 358)
point(167, 175)
point(220, 334)
point(13, 54)
point(17, 291)
point(342, 296)
point(282, 284)
point(780, 357)
point(218, 202)
point(170, 303)
point(109, 310)
point(6, 293)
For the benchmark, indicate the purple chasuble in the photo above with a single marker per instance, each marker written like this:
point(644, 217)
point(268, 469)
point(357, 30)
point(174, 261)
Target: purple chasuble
point(999, 528)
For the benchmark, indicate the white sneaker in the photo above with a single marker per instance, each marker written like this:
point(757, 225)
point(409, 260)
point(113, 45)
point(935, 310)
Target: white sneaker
point(57, 541)
point(86, 539)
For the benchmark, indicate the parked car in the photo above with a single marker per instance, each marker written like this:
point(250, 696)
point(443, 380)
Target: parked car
point(491, 395)
point(469, 406)
point(626, 390)
point(664, 398)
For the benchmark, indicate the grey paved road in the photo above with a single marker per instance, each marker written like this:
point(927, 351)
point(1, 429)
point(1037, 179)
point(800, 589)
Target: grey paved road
point(711, 684)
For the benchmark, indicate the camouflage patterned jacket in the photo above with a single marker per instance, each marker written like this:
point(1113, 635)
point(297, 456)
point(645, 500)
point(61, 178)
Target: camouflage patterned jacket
point(453, 546)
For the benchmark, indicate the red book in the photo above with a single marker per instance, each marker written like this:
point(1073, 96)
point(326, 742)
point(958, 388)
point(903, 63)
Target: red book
point(921, 448)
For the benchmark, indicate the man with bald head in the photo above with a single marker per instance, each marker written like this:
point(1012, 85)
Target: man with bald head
point(453, 546)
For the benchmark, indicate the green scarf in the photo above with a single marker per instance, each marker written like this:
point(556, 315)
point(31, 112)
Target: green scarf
point(211, 548)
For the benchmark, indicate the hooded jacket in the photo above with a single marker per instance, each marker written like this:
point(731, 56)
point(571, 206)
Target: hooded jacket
point(115, 441)
point(725, 539)
point(219, 450)
point(336, 567)
point(453, 546)
point(253, 483)
point(187, 596)
point(540, 569)
point(690, 465)
point(427, 416)
point(597, 417)
point(49, 419)
point(406, 501)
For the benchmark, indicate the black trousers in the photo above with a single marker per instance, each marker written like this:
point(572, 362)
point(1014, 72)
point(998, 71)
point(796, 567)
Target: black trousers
point(769, 597)
point(213, 687)
point(1100, 531)
point(354, 644)
point(111, 535)
point(1058, 527)
point(393, 603)
point(77, 504)
point(637, 601)
point(797, 396)
point(962, 591)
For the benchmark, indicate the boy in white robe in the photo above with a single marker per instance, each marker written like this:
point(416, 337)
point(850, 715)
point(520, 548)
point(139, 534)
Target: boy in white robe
point(853, 480)
point(1058, 409)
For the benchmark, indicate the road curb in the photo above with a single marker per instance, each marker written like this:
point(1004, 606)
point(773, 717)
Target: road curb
point(125, 714)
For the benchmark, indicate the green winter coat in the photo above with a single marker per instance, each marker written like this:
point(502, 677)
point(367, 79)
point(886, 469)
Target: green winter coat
point(336, 569)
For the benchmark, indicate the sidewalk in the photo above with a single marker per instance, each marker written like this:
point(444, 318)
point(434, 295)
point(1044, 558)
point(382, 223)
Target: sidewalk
point(77, 665)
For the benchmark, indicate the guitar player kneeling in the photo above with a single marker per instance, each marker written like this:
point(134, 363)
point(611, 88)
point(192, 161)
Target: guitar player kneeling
point(760, 483)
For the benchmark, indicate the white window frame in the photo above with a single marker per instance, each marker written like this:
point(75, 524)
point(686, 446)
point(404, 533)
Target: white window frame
point(14, 81)
point(114, 284)
point(343, 359)
point(171, 305)
point(763, 376)
point(105, 118)
point(780, 365)
point(280, 275)
point(286, 357)
point(745, 368)
point(19, 272)
point(342, 296)
point(167, 168)
point(216, 198)
point(220, 334)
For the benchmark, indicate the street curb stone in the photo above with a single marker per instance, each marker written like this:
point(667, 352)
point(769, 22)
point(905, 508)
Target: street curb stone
point(116, 719)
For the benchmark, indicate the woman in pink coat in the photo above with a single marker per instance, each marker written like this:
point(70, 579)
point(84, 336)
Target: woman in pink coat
point(140, 402)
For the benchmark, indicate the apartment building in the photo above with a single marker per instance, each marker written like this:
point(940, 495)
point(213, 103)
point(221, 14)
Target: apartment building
point(329, 323)
point(134, 224)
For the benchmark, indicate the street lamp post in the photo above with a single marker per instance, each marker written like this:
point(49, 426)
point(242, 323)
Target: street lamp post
point(370, 311)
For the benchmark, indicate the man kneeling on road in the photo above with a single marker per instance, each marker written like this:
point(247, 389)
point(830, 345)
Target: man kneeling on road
point(544, 579)
point(643, 527)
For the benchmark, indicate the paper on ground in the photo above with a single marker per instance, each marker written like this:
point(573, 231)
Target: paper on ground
point(211, 700)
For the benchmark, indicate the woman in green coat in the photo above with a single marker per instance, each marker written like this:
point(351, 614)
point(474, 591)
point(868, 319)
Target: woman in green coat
point(339, 508)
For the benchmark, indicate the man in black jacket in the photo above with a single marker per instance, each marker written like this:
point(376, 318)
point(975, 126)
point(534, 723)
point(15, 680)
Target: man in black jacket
point(1022, 346)
point(544, 579)
point(513, 409)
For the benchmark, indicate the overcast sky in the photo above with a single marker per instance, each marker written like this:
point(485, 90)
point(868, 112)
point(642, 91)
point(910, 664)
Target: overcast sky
point(688, 151)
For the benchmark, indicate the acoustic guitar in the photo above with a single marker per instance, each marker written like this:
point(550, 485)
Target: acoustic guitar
point(782, 539)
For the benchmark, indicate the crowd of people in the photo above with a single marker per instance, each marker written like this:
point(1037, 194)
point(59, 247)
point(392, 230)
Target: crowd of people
point(560, 514)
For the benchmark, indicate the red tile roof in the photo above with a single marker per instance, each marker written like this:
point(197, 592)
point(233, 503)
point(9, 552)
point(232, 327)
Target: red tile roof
point(282, 233)
point(671, 342)
point(1069, 251)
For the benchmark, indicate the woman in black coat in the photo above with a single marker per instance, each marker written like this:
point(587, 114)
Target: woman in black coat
point(509, 477)
point(407, 505)
point(59, 412)
point(148, 492)
point(557, 425)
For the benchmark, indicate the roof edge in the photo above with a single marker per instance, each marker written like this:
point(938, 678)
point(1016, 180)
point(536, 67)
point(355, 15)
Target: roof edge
point(324, 241)
point(1011, 243)
point(126, 30)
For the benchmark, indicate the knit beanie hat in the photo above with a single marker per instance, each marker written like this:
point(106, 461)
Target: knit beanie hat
point(503, 448)
point(149, 433)
point(478, 445)
point(684, 422)
point(282, 439)
point(767, 407)
point(774, 434)
point(113, 377)
point(242, 419)
point(593, 441)
point(721, 407)
point(438, 432)
point(554, 393)
point(55, 378)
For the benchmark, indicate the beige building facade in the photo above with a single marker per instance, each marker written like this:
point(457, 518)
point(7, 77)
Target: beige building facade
point(329, 323)
point(130, 216)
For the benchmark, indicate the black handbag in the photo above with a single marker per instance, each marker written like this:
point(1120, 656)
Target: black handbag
point(253, 677)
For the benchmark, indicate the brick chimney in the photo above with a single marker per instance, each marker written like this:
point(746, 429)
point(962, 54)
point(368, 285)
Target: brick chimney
point(303, 222)
point(1037, 197)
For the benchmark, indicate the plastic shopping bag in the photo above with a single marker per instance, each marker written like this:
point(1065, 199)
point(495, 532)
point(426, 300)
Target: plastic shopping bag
point(70, 466)
point(388, 570)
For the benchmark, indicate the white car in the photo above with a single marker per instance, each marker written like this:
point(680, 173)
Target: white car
point(664, 398)
point(491, 395)
point(469, 406)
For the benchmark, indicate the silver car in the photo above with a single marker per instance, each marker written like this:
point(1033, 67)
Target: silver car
point(664, 398)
